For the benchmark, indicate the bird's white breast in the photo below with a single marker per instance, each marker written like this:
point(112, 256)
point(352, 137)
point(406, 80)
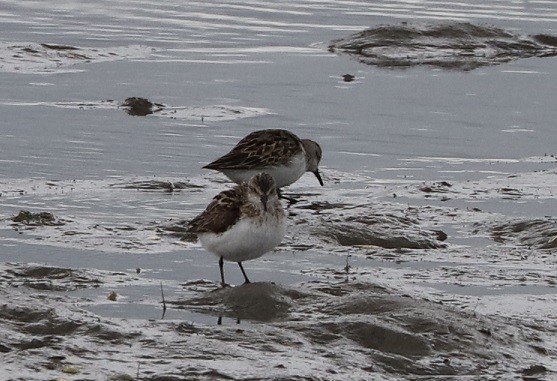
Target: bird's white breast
point(248, 239)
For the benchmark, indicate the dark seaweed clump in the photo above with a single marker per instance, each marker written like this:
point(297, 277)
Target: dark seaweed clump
point(36, 219)
point(137, 106)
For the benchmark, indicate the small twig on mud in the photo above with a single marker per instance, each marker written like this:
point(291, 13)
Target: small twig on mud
point(163, 303)
point(137, 375)
point(347, 267)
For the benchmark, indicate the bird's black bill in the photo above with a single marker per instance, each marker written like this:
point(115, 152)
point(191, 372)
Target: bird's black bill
point(316, 173)
point(264, 199)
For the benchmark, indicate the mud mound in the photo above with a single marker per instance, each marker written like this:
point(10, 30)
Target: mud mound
point(458, 46)
point(358, 234)
point(381, 230)
point(47, 58)
point(409, 336)
point(46, 278)
point(255, 301)
point(30, 322)
point(536, 233)
point(137, 106)
point(157, 185)
point(400, 335)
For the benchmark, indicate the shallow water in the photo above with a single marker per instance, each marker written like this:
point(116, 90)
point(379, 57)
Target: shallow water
point(407, 152)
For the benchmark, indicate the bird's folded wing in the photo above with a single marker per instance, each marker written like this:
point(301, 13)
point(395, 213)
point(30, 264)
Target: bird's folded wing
point(222, 213)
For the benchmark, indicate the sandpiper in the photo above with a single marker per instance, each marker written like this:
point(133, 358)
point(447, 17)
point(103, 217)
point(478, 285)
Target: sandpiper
point(242, 223)
point(279, 153)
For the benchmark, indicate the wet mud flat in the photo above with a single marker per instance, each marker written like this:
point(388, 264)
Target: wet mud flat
point(386, 287)
point(312, 331)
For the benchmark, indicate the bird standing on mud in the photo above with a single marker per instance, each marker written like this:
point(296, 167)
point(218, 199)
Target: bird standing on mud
point(242, 223)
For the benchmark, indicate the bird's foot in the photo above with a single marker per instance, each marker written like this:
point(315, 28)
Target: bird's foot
point(224, 285)
point(290, 200)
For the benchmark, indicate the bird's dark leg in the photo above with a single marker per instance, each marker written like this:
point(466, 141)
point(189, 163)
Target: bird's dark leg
point(290, 200)
point(243, 272)
point(221, 266)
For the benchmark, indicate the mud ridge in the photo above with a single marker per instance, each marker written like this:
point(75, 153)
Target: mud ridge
point(535, 233)
point(255, 301)
point(365, 226)
point(139, 106)
point(157, 185)
point(47, 278)
point(451, 45)
point(36, 57)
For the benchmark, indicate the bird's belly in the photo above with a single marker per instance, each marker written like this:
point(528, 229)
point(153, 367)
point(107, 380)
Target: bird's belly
point(246, 239)
point(283, 174)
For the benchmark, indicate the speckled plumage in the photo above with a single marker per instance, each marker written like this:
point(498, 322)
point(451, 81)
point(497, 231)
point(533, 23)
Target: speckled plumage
point(242, 223)
point(278, 152)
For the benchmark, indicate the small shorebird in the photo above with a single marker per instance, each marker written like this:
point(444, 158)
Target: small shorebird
point(242, 223)
point(279, 153)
